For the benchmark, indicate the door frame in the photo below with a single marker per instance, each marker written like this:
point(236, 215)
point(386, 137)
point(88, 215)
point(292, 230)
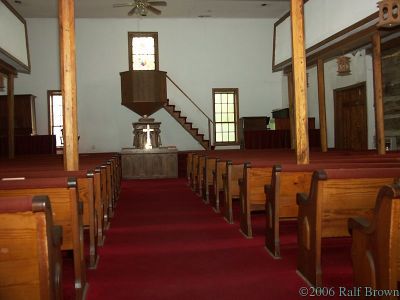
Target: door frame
point(362, 84)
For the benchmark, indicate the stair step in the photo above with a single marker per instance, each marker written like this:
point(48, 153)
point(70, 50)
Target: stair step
point(176, 114)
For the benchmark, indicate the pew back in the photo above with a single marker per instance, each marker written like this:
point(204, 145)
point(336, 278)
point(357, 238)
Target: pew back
point(30, 260)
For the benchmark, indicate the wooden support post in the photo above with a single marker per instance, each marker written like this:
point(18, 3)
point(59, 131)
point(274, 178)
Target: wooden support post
point(10, 104)
point(322, 108)
point(299, 82)
point(292, 117)
point(378, 94)
point(68, 84)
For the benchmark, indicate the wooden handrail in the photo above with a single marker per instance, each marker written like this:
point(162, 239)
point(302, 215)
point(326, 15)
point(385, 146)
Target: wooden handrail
point(186, 95)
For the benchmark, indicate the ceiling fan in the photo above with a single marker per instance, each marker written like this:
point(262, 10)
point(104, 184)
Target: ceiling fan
point(142, 7)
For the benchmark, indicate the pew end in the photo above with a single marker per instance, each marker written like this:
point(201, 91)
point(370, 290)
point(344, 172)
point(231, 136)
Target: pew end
point(375, 251)
point(335, 196)
point(30, 260)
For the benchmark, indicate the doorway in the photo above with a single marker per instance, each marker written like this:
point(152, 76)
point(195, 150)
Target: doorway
point(351, 128)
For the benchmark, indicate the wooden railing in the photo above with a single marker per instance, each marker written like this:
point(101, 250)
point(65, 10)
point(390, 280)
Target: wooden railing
point(210, 122)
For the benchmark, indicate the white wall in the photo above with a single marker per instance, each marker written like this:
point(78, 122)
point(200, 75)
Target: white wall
point(361, 71)
point(199, 54)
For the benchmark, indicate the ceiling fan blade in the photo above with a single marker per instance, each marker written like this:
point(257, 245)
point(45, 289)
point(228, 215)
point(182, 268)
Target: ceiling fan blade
point(132, 11)
point(124, 4)
point(157, 3)
point(154, 10)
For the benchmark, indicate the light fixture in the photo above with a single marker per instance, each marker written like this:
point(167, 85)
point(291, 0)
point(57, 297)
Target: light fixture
point(343, 66)
point(388, 13)
point(142, 8)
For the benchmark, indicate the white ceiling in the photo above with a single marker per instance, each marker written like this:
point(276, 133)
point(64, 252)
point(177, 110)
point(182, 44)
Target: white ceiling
point(174, 9)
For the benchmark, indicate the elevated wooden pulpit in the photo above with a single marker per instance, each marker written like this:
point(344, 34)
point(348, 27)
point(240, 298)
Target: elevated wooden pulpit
point(145, 92)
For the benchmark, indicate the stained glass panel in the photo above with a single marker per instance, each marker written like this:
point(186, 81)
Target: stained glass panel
point(143, 53)
point(143, 62)
point(143, 45)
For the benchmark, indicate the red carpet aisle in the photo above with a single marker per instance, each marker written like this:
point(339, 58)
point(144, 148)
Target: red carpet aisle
point(165, 243)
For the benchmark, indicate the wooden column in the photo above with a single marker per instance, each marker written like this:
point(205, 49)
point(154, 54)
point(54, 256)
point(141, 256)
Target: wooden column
point(68, 84)
point(10, 104)
point(299, 82)
point(321, 105)
point(292, 117)
point(378, 94)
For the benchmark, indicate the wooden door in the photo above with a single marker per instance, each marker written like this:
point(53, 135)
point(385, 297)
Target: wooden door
point(351, 128)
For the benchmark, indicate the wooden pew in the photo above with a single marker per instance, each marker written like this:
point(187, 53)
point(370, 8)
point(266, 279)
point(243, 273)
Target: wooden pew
point(200, 175)
point(233, 173)
point(287, 180)
point(30, 257)
point(375, 248)
point(194, 173)
point(87, 187)
point(67, 212)
point(252, 195)
point(189, 165)
point(335, 196)
point(218, 184)
point(208, 177)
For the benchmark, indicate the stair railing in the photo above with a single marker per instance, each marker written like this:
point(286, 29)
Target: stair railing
point(210, 122)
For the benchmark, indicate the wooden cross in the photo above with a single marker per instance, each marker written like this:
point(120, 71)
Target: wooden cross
point(148, 141)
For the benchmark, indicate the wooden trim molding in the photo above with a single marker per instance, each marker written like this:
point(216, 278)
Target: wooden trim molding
point(335, 40)
point(236, 93)
point(19, 65)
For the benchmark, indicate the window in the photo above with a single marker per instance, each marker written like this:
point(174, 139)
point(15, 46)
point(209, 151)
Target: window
point(56, 116)
point(143, 51)
point(226, 115)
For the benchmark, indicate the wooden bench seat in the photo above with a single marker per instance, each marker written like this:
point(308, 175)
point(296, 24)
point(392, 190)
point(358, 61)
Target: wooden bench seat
point(86, 191)
point(375, 245)
point(208, 180)
point(107, 175)
point(67, 212)
point(335, 196)
point(30, 258)
point(286, 181)
point(252, 195)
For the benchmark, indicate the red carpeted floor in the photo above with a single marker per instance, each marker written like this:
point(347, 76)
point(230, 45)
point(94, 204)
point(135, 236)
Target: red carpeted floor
point(165, 243)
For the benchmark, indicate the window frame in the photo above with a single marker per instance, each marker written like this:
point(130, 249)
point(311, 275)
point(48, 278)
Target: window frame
point(236, 114)
point(50, 94)
point(154, 35)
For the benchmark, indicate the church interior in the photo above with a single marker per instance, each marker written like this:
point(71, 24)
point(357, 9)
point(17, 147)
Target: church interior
point(185, 149)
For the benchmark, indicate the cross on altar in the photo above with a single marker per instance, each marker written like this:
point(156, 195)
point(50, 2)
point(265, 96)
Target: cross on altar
point(148, 141)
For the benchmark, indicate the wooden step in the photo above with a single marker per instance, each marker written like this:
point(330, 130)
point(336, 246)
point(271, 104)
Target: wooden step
point(188, 126)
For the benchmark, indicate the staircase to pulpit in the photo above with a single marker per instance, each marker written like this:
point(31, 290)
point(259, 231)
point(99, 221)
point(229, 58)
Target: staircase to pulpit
point(145, 92)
